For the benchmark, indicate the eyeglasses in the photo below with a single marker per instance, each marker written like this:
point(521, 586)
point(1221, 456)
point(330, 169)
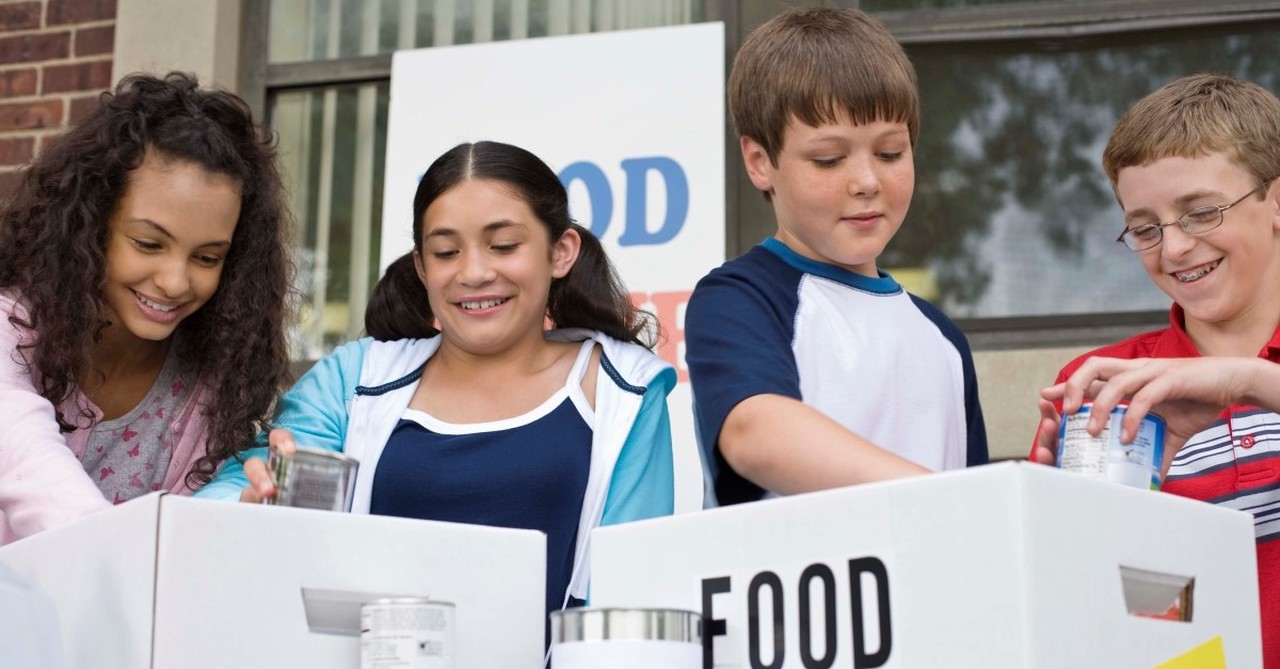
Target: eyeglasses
point(1195, 222)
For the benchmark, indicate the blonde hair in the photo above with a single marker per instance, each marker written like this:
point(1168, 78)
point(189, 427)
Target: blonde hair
point(813, 64)
point(1198, 115)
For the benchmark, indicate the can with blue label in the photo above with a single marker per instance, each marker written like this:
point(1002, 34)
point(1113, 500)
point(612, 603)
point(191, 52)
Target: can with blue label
point(1135, 464)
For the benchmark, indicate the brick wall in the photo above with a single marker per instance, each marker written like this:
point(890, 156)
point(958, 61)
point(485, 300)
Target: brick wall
point(55, 58)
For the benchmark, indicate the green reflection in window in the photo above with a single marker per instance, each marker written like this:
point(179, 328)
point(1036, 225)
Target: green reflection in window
point(1012, 215)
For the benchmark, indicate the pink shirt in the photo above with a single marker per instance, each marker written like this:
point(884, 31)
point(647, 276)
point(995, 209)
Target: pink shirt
point(42, 482)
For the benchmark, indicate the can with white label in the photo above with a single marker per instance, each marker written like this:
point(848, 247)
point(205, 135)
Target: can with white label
point(586, 638)
point(313, 479)
point(406, 633)
point(1135, 464)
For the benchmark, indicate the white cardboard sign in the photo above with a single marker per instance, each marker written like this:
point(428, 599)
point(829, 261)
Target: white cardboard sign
point(1007, 565)
point(170, 582)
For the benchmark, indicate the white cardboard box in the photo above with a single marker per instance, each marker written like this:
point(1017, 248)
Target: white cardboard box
point(1005, 566)
point(171, 582)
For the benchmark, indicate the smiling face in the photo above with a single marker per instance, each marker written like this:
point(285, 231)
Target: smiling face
point(166, 243)
point(1225, 277)
point(487, 263)
point(839, 191)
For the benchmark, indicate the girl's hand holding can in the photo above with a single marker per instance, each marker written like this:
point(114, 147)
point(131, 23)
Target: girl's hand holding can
point(262, 483)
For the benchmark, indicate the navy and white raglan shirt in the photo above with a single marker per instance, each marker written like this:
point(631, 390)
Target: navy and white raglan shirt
point(885, 364)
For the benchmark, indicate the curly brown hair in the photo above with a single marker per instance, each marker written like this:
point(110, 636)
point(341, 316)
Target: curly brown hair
point(53, 236)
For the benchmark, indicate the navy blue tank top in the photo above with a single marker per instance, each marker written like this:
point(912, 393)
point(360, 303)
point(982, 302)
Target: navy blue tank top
point(527, 472)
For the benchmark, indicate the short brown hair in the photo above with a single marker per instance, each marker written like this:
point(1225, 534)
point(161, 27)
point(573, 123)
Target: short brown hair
point(1197, 115)
point(813, 63)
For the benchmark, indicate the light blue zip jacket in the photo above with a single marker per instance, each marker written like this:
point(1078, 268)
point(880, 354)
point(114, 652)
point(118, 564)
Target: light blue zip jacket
point(352, 400)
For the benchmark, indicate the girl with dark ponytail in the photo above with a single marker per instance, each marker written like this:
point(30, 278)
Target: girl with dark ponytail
point(589, 296)
point(470, 408)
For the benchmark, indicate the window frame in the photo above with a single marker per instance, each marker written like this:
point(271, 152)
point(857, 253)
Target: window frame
point(747, 214)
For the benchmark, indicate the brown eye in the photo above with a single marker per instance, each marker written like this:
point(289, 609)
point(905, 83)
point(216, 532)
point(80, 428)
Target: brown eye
point(1145, 233)
point(1200, 216)
point(144, 245)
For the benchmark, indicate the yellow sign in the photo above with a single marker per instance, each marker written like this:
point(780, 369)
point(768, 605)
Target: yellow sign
point(1208, 655)
point(919, 281)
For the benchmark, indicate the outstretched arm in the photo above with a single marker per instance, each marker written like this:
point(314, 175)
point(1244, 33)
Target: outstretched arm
point(314, 411)
point(42, 484)
point(1188, 393)
point(786, 446)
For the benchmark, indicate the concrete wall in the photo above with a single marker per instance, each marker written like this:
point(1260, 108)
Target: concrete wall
point(1009, 383)
point(200, 36)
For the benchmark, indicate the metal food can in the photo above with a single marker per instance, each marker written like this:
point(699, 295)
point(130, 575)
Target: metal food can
point(1135, 464)
point(586, 638)
point(406, 633)
point(313, 479)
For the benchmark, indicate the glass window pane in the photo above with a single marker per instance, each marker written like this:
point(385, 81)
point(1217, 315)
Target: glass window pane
point(309, 30)
point(332, 151)
point(333, 140)
point(900, 5)
point(1012, 215)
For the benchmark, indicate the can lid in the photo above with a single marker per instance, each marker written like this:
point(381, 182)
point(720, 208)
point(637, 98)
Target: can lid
point(394, 601)
point(325, 453)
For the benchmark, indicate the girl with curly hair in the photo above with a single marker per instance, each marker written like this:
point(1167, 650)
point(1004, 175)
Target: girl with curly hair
point(144, 274)
point(492, 418)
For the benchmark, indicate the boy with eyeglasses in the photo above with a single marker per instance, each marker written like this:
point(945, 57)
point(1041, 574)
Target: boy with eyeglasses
point(810, 367)
point(1194, 167)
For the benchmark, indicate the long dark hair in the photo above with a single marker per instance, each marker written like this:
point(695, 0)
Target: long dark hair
point(398, 307)
point(589, 296)
point(53, 235)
